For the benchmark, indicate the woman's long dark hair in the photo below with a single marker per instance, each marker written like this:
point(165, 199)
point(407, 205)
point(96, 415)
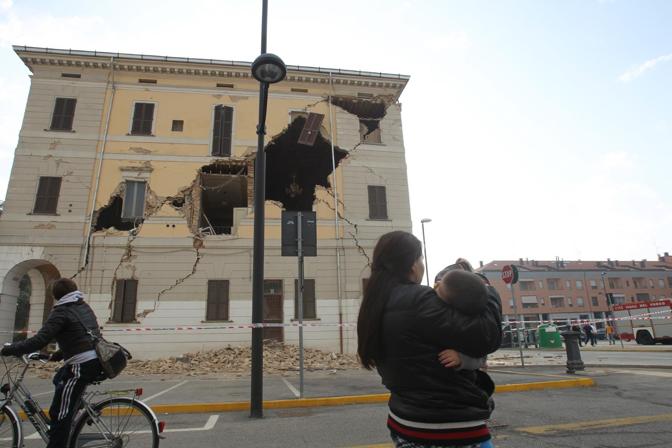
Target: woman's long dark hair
point(393, 258)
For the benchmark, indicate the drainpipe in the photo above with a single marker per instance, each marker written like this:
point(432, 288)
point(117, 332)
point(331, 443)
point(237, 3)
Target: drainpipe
point(84, 257)
point(337, 232)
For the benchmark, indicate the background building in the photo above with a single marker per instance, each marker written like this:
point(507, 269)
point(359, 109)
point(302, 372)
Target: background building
point(134, 174)
point(567, 290)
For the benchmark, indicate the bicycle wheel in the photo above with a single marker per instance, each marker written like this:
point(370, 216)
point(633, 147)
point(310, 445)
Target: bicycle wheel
point(9, 428)
point(120, 422)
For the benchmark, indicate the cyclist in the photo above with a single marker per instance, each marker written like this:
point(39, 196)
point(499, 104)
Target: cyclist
point(75, 346)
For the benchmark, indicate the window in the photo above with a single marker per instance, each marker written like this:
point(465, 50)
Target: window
point(553, 284)
point(568, 284)
point(661, 283)
point(593, 284)
point(541, 284)
point(143, 119)
point(71, 75)
point(146, 81)
point(594, 301)
point(527, 285)
point(134, 201)
point(218, 300)
point(46, 200)
point(579, 284)
point(221, 131)
point(615, 283)
point(178, 126)
point(557, 302)
point(309, 311)
point(225, 86)
point(377, 202)
point(511, 303)
point(125, 299)
point(650, 283)
point(643, 297)
point(529, 301)
point(579, 302)
point(569, 301)
point(638, 283)
point(669, 282)
point(64, 112)
point(369, 131)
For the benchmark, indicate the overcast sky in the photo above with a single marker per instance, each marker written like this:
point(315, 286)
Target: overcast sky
point(533, 129)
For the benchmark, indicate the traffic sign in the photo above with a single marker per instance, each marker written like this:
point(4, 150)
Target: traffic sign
point(510, 274)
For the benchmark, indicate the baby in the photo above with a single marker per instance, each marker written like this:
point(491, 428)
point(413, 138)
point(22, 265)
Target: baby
point(466, 292)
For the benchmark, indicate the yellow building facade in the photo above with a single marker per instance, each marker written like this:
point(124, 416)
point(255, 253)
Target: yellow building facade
point(134, 174)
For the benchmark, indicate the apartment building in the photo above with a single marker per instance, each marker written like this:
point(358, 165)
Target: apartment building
point(134, 174)
point(568, 290)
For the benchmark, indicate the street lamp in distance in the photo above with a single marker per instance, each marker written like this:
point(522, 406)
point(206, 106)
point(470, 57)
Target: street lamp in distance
point(424, 246)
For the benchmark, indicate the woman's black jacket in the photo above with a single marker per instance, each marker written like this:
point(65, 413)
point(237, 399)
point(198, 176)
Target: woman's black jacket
point(416, 325)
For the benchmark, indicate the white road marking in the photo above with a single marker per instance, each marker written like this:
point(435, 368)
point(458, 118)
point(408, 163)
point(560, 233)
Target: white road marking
point(212, 421)
point(165, 390)
point(644, 372)
point(293, 389)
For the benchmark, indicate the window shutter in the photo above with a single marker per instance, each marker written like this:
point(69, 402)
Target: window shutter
point(118, 301)
point(377, 202)
point(309, 311)
point(143, 116)
point(130, 299)
point(222, 130)
point(311, 129)
point(64, 112)
point(48, 190)
point(217, 307)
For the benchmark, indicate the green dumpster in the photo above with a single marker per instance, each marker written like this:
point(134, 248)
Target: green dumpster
point(549, 336)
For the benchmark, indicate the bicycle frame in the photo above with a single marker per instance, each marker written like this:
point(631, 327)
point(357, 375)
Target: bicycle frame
point(27, 403)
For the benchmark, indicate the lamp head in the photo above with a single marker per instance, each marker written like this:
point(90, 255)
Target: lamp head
point(425, 220)
point(268, 68)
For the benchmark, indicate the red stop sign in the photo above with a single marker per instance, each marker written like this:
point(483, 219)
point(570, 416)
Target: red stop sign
point(509, 274)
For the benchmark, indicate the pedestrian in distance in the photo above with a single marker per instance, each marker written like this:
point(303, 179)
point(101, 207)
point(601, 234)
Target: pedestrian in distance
point(587, 329)
point(65, 324)
point(610, 334)
point(401, 328)
point(593, 335)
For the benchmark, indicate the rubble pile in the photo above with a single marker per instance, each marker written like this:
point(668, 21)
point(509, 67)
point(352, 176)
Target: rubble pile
point(278, 358)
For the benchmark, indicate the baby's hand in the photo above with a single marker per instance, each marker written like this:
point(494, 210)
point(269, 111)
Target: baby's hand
point(450, 358)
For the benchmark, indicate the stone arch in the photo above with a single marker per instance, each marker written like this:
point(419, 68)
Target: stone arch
point(41, 273)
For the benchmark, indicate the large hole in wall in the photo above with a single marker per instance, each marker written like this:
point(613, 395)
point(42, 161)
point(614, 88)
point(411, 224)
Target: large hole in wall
point(223, 188)
point(110, 216)
point(369, 112)
point(293, 170)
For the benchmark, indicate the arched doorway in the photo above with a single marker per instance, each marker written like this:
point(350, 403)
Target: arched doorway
point(37, 273)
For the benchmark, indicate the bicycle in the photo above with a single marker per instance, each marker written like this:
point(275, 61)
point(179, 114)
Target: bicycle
point(120, 420)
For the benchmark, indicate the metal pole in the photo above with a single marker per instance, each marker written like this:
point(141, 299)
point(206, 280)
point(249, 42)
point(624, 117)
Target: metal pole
point(424, 246)
point(257, 374)
point(606, 297)
point(299, 228)
point(519, 318)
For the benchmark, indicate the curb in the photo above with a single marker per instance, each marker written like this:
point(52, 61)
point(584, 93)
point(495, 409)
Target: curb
point(628, 366)
point(200, 408)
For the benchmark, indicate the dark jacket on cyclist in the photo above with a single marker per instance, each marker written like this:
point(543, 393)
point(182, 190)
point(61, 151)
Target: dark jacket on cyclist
point(63, 326)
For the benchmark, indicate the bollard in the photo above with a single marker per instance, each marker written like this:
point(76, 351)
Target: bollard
point(574, 361)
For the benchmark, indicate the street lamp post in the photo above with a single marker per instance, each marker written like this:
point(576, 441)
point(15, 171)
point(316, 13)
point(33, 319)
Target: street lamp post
point(606, 297)
point(267, 69)
point(424, 246)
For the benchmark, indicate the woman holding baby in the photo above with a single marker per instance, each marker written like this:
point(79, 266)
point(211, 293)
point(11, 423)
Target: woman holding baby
point(402, 328)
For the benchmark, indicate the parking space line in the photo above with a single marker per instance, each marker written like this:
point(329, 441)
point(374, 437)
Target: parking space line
point(594, 424)
point(643, 372)
point(293, 389)
point(158, 394)
point(212, 421)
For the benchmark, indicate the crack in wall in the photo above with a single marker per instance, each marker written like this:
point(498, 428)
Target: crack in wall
point(198, 245)
point(353, 236)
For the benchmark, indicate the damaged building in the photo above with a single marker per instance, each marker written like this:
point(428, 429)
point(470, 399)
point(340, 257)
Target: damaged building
point(135, 176)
